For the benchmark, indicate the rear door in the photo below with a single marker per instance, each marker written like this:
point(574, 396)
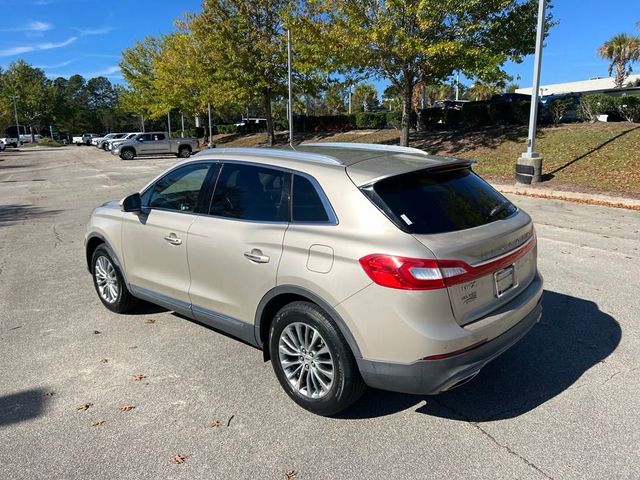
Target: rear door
point(234, 251)
point(461, 219)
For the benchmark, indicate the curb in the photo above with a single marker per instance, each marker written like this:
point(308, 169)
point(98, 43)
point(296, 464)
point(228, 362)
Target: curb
point(586, 198)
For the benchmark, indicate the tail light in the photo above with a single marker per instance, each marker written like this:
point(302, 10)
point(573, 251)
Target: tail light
point(429, 274)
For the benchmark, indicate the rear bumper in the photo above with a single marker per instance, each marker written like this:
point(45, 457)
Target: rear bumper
point(434, 376)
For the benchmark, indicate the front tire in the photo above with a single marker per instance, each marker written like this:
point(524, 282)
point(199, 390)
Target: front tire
point(109, 282)
point(312, 360)
point(127, 155)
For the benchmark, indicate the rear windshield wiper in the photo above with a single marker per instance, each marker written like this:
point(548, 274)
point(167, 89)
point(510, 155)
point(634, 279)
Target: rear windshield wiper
point(498, 208)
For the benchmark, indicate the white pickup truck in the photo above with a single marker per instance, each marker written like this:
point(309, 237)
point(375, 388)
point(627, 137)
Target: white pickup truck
point(155, 143)
point(84, 139)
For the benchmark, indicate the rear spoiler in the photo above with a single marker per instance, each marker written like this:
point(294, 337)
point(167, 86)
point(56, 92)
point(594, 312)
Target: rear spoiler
point(454, 164)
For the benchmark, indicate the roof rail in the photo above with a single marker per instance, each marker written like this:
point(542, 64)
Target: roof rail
point(367, 146)
point(276, 152)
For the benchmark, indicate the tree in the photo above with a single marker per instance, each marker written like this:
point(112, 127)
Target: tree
point(365, 97)
point(621, 50)
point(137, 66)
point(483, 90)
point(246, 42)
point(408, 42)
point(511, 87)
point(30, 89)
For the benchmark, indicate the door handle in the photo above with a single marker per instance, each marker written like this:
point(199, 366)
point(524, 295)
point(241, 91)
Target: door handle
point(172, 239)
point(257, 256)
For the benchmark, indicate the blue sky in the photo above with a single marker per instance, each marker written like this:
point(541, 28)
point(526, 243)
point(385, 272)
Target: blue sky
point(64, 37)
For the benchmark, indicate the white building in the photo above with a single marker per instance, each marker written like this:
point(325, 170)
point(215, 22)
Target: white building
point(593, 85)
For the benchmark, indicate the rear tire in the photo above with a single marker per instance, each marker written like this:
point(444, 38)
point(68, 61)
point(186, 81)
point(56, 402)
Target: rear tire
point(109, 282)
point(312, 360)
point(184, 152)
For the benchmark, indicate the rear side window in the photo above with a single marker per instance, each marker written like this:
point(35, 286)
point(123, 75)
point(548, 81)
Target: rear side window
point(424, 202)
point(250, 192)
point(306, 205)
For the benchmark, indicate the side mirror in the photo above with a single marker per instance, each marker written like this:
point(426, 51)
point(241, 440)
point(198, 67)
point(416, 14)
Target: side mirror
point(132, 203)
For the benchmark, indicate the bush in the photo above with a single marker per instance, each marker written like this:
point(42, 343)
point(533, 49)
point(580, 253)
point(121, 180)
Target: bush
point(394, 119)
point(475, 114)
point(371, 120)
point(227, 128)
point(47, 142)
point(558, 108)
point(281, 125)
point(628, 107)
point(593, 105)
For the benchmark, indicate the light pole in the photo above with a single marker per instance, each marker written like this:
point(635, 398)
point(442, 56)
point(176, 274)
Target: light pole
point(169, 123)
point(15, 110)
point(290, 88)
point(529, 165)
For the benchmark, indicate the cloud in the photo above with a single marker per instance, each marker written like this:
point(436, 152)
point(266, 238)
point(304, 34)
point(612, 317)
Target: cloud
point(50, 45)
point(57, 65)
point(112, 71)
point(35, 26)
point(17, 50)
point(9, 52)
point(95, 31)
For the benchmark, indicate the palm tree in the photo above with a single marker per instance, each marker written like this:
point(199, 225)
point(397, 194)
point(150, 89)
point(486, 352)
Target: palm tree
point(621, 50)
point(483, 90)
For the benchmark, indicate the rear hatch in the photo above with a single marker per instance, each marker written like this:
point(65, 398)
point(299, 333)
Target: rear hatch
point(484, 244)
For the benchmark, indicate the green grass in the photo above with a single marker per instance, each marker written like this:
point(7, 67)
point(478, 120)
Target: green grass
point(600, 157)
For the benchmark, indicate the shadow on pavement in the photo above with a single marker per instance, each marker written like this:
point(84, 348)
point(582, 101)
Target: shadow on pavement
point(16, 213)
point(572, 336)
point(21, 406)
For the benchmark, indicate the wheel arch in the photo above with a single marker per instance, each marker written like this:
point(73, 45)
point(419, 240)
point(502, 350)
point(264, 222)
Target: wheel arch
point(282, 295)
point(94, 241)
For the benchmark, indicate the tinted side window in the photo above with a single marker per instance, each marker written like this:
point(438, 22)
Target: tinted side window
point(157, 137)
point(306, 204)
point(251, 193)
point(179, 190)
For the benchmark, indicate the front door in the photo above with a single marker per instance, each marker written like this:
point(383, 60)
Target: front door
point(235, 250)
point(155, 241)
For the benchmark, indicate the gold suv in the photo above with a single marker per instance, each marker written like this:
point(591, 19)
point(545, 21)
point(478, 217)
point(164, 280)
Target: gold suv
point(347, 264)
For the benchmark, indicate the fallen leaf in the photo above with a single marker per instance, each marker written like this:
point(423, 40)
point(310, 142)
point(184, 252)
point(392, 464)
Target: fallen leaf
point(138, 377)
point(215, 424)
point(179, 459)
point(126, 408)
point(84, 406)
point(97, 423)
point(150, 321)
point(104, 360)
point(290, 474)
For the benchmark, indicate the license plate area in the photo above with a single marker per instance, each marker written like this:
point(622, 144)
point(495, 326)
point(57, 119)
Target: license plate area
point(504, 280)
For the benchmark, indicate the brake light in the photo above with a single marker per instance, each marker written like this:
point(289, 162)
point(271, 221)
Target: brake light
point(411, 273)
point(428, 274)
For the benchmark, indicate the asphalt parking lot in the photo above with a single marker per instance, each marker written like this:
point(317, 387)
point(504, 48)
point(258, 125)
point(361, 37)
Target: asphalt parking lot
point(562, 404)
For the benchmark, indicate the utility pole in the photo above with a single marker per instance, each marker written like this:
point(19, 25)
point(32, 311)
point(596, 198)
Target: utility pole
point(142, 119)
point(182, 121)
point(457, 86)
point(529, 165)
point(290, 88)
point(349, 99)
point(169, 123)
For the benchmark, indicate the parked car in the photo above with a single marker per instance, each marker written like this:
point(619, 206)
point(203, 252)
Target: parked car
point(84, 139)
point(347, 264)
point(110, 144)
point(155, 143)
point(100, 142)
point(11, 142)
point(2, 145)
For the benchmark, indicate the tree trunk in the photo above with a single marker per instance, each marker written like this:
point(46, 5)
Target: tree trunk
point(407, 97)
point(268, 116)
point(621, 74)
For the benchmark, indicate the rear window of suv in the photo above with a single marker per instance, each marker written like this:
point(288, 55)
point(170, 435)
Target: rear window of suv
point(428, 202)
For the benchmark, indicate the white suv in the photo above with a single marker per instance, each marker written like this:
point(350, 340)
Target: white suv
point(347, 264)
